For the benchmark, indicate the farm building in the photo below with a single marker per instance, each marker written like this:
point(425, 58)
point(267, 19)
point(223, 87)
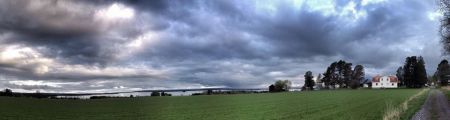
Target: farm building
point(384, 82)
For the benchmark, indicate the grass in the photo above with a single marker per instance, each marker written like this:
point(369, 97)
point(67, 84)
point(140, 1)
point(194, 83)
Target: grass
point(413, 105)
point(446, 91)
point(333, 104)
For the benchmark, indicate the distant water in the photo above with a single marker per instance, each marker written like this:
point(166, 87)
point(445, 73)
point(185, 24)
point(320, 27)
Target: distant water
point(135, 94)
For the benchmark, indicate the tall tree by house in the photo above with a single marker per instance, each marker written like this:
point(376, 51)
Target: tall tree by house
point(399, 75)
point(420, 73)
point(414, 72)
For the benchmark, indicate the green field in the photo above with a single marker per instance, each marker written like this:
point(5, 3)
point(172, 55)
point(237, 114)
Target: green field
point(332, 104)
point(446, 91)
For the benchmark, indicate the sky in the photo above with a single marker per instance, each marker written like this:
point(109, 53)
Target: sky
point(110, 46)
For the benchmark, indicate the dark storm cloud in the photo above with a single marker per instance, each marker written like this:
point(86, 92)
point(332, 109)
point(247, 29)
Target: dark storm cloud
point(67, 29)
point(213, 43)
point(156, 6)
point(294, 34)
point(291, 33)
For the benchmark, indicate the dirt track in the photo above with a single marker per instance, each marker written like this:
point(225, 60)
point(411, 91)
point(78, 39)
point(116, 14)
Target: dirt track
point(435, 107)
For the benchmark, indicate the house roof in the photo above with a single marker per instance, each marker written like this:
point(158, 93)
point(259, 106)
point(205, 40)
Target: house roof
point(376, 78)
point(391, 78)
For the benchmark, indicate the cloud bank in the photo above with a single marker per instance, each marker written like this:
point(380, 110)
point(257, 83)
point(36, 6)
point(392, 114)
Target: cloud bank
point(101, 46)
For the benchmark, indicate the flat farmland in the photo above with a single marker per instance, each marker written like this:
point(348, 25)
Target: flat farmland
point(369, 104)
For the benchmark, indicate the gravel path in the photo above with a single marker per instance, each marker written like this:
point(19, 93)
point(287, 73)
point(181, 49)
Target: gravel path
point(435, 107)
point(442, 107)
point(424, 112)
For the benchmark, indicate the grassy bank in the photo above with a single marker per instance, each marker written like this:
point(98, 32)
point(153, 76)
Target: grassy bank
point(446, 91)
point(413, 105)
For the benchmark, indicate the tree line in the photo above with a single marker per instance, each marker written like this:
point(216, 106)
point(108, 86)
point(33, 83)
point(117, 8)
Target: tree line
point(341, 74)
point(338, 73)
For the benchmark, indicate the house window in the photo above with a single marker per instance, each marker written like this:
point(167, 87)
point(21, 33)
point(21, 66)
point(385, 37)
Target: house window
point(381, 83)
point(376, 83)
point(392, 84)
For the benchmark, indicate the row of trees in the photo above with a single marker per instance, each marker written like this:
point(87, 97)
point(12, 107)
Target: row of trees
point(340, 73)
point(156, 93)
point(6, 92)
point(280, 86)
point(413, 73)
point(285, 85)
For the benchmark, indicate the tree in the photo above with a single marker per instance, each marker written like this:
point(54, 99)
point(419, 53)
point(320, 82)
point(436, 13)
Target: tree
point(329, 76)
point(408, 70)
point(165, 94)
point(319, 82)
point(309, 82)
point(271, 88)
point(445, 25)
point(399, 75)
point(209, 92)
point(357, 76)
point(347, 73)
point(442, 72)
point(282, 85)
point(338, 73)
point(432, 79)
point(7, 92)
point(414, 72)
point(341, 66)
point(155, 93)
point(420, 73)
point(319, 78)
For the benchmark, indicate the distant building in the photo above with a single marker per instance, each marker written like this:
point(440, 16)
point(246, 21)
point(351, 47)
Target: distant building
point(384, 82)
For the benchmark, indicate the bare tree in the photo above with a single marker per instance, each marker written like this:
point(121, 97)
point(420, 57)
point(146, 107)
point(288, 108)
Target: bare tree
point(445, 25)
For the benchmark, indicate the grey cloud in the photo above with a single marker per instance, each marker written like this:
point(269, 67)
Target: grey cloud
point(67, 29)
point(301, 34)
point(220, 43)
point(29, 87)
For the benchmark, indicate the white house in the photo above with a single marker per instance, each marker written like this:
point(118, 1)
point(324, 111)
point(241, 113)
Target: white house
point(384, 82)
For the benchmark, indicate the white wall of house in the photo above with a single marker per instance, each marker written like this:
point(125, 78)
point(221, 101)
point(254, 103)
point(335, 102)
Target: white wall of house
point(385, 82)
